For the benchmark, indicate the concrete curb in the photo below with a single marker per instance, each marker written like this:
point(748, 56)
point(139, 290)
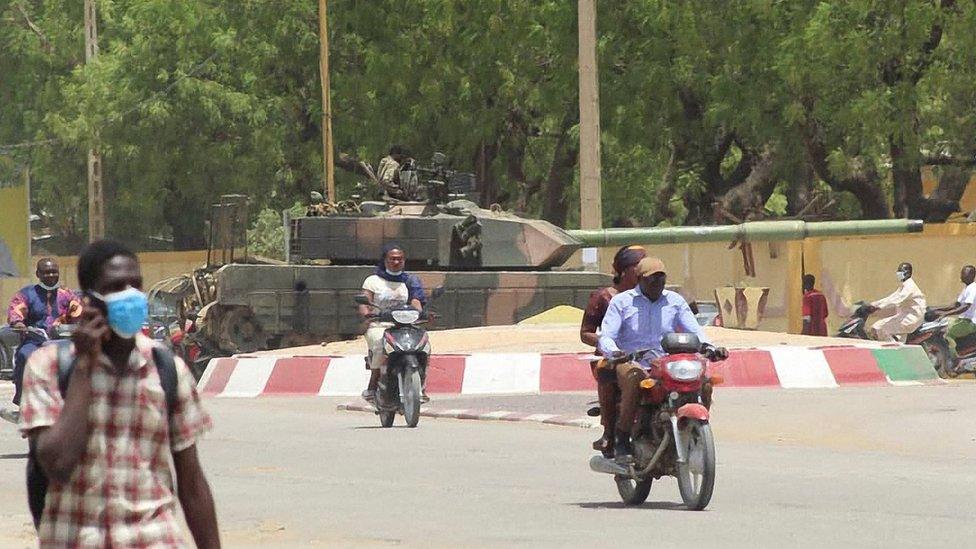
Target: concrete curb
point(481, 415)
point(788, 367)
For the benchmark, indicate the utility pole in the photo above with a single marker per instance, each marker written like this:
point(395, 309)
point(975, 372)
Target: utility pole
point(327, 159)
point(591, 205)
point(96, 201)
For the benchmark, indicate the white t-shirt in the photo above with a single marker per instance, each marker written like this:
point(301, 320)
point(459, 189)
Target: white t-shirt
point(968, 295)
point(386, 294)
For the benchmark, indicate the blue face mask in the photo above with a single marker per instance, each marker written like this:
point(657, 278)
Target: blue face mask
point(127, 311)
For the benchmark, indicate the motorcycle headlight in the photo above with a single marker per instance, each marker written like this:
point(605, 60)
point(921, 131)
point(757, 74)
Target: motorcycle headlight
point(685, 370)
point(406, 316)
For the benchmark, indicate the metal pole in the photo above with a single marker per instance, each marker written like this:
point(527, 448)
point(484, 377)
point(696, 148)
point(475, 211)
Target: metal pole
point(327, 148)
point(96, 201)
point(591, 207)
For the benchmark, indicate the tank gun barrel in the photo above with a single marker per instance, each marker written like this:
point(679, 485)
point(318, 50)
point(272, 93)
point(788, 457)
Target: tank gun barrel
point(750, 231)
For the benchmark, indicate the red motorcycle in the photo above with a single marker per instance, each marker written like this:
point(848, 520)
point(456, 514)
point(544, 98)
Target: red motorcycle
point(672, 436)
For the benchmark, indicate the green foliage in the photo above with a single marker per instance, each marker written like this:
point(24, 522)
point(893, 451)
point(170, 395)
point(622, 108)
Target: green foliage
point(266, 237)
point(189, 100)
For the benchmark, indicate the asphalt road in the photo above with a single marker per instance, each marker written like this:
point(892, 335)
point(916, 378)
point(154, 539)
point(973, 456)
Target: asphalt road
point(865, 467)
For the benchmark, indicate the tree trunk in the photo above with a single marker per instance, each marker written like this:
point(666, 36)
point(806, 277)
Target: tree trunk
point(753, 193)
point(906, 175)
point(561, 172)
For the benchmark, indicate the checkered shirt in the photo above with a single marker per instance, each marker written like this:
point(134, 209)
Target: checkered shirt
point(120, 494)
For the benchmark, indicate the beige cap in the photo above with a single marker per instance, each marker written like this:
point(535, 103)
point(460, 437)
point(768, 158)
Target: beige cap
point(650, 265)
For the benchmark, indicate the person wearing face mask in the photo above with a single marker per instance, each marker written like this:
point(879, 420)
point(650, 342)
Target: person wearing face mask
point(908, 302)
point(639, 319)
point(43, 305)
point(107, 441)
point(624, 278)
point(389, 285)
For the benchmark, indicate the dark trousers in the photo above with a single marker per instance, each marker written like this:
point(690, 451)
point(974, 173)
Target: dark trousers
point(20, 361)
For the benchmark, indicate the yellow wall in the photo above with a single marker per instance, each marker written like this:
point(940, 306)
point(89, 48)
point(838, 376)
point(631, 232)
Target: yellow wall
point(156, 266)
point(848, 269)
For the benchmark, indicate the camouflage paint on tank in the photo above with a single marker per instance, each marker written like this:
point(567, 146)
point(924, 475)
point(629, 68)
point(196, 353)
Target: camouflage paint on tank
point(430, 238)
point(470, 298)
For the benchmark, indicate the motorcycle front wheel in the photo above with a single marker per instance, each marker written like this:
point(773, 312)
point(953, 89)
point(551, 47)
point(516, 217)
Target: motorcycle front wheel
point(696, 478)
point(938, 352)
point(632, 492)
point(389, 393)
point(410, 382)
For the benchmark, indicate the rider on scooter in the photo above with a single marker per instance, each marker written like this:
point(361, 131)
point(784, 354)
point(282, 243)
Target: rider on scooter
point(638, 319)
point(965, 325)
point(909, 304)
point(387, 287)
point(41, 306)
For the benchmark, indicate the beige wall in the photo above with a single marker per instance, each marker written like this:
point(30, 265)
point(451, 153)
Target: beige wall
point(848, 269)
point(156, 266)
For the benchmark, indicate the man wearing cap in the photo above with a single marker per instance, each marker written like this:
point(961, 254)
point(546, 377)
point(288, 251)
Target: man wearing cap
point(638, 319)
point(624, 278)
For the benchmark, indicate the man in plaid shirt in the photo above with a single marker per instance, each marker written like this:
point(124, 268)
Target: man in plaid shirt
point(107, 443)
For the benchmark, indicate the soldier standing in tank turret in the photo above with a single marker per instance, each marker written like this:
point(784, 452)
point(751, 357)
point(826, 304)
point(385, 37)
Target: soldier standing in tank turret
point(388, 172)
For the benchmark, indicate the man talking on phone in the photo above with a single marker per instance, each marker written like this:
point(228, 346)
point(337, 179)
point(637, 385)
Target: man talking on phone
point(105, 443)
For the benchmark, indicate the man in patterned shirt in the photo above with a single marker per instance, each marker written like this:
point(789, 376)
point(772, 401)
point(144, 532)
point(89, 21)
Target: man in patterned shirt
point(106, 444)
point(42, 306)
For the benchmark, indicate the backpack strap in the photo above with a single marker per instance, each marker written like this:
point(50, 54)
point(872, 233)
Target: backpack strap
point(168, 378)
point(66, 364)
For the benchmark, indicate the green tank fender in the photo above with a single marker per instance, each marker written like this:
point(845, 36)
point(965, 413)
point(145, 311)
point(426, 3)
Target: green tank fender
point(752, 231)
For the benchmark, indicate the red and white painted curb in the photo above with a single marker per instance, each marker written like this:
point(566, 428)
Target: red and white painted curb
point(532, 373)
point(481, 415)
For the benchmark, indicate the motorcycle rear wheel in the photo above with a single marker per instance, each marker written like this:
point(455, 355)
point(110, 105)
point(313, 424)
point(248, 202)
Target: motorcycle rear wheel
point(696, 478)
point(632, 492)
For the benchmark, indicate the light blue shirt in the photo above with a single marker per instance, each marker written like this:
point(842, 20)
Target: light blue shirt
point(634, 322)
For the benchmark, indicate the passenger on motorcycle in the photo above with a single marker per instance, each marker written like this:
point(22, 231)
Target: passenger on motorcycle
point(41, 306)
point(624, 278)
point(638, 319)
point(387, 287)
point(965, 325)
point(909, 304)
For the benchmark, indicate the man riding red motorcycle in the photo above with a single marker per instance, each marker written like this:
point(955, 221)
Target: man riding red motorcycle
point(639, 319)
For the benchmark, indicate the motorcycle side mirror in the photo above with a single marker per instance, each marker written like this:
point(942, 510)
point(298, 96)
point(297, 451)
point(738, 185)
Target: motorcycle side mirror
point(361, 299)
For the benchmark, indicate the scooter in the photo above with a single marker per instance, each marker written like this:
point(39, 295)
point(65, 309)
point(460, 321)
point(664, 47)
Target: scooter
point(672, 433)
point(930, 335)
point(407, 350)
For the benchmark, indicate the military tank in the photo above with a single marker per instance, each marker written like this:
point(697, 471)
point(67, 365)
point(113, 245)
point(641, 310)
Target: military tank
point(496, 267)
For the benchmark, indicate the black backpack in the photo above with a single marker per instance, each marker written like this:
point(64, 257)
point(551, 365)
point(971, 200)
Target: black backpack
point(36, 479)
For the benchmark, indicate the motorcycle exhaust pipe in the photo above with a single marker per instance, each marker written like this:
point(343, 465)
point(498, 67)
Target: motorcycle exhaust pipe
point(601, 464)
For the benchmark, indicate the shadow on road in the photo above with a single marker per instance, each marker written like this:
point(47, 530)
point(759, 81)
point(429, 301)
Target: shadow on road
point(358, 427)
point(13, 456)
point(662, 505)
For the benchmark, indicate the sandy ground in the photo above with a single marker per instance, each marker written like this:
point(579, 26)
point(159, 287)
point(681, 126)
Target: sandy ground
point(555, 338)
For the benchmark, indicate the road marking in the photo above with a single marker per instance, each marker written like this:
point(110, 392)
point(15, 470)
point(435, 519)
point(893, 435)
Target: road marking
point(345, 376)
point(540, 417)
point(512, 373)
point(799, 368)
point(495, 415)
point(249, 377)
